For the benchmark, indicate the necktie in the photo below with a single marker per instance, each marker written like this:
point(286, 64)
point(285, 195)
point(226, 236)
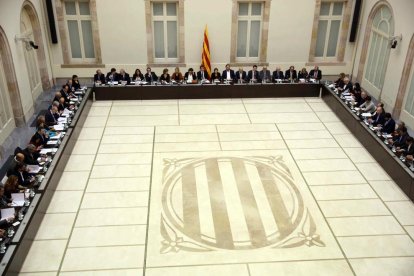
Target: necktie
point(315, 75)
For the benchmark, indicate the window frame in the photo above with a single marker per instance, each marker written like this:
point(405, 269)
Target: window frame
point(68, 61)
point(342, 40)
point(165, 62)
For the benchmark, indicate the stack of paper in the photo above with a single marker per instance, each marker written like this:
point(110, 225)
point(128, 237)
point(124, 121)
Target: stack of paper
point(18, 199)
point(59, 127)
point(33, 169)
point(7, 213)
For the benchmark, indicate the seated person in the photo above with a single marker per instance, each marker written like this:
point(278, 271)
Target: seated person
point(62, 105)
point(41, 123)
point(378, 118)
point(202, 75)
point(368, 105)
point(4, 201)
point(165, 77)
point(347, 86)
point(40, 138)
point(57, 97)
point(31, 155)
point(253, 75)
point(389, 124)
point(277, 74)
point(409, 150)
point(241, 75)
point(112, 75)
point(340, 81)
point(24, 179)
point(150, 76)
point(216, 75)
point(99, 77)
point(315, 73)
point(137, 76)
point(359, 101)
point(291, 74)
point(190, 76)
point(10, 187)
point(177, 76)
point(264, 75)
point(124, 76)
point(75, 82)
point(65, 93)
point(398, 141)
point(303, 74)
point(50, 116)
point(228, 74)
point(18, 159)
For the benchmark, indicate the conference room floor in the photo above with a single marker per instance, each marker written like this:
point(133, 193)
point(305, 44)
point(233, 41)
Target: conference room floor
point(222, 187)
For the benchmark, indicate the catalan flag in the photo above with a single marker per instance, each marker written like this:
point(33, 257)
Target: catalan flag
point(205, 56)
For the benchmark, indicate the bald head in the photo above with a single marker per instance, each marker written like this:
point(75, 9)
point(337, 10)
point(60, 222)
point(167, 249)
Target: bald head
point(20, 157)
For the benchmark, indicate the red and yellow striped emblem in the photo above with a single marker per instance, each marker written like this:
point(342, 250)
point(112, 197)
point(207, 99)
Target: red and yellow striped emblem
point(205, 56)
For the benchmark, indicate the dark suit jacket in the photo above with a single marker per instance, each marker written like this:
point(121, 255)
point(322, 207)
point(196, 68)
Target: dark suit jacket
point(348, 87)
point(166, 79)
point(124, 78)
point(76, 85)
point(216, 77)
point(23, 178)
point(389, 126)
point(303, 75)
point(277, 75)
point(312, 74)
point(100, 78)
point(148, 77)
point(38, 140)
point(141, 76)
point(288, 76)
point(224, 75)
point(409, 149)
point(114, 78)
point(30, 158)
point(256, 75)
point(206, 76)
point(243, 76)
point(187, 74)
point(378, 119)
point(265, 75)
point(50, 118)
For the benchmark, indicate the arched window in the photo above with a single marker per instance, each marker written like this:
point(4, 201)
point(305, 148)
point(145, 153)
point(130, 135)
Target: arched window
point(379, 47)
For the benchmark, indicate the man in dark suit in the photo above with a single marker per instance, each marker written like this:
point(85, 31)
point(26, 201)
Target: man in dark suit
point(228, 74)
point(124, 76)
point(291, 73)
point(347, 85)
point(40, 138)
point(202, 75)
point(241, 75)
point(253, 75)
point(264, 75)
point(378, 118)
point(112, 75)
point(315, 73)
point(50, 116)
point(99, 77)
point(277, 74)
point(24, 178)
point(150, 76)
point(389, 124)
point(31, 155)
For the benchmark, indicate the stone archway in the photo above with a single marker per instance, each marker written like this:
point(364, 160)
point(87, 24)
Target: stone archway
point(404, 80)
point(367, 37)
point(37, 33)
point(12, 85)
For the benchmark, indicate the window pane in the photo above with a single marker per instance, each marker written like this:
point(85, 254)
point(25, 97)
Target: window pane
point(383, 26)
point(386, 13)
point(325, 7)
point(320, 41)
point(157, 8)
point(243, 8)
point(84, 8)
point(256, 8)
point(370, 56)
point(242, 39)
point(159, 39)
point(254, 39)
point(333, 38)
point(379, 78)
point(172, 39)
point(70, 8)
point(87, 36)
point(171, 9)
point(377, 19)
point(337, 8)
point(74, 39)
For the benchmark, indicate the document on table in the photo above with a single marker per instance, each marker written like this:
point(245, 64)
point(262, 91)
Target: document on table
point(59, 127)
point(33, 168)
point(367, 114)
point(52, 142)
point(46, 151)
point(56, 137)
point(18, 199)
point(7, 213)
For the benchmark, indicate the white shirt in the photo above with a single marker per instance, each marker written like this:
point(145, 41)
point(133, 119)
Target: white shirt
point(228, 75)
